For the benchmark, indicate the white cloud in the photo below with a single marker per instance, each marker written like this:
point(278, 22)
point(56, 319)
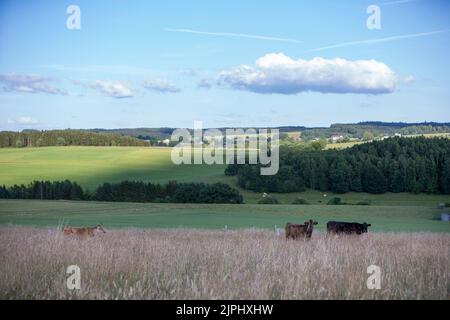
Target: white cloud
point(114, 89)
point(23, 121)
point(28, 83)
point(161, 86)
point(278, 73)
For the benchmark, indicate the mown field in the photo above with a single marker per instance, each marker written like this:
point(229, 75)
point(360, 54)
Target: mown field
point(214, 216)
point(208, 264)
point(91, 166)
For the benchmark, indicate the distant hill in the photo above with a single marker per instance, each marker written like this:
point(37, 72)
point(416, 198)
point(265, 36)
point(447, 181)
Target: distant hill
point(156, 136)
point(351, 130)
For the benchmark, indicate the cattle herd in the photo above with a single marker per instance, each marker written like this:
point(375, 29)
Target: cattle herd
point(304, 231)
point(293, 231)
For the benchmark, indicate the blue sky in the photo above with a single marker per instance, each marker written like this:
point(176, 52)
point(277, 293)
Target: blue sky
point(233, 63)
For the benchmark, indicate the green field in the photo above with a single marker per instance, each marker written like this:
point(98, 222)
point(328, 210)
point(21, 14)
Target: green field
point(91, 166)
point(152, 215)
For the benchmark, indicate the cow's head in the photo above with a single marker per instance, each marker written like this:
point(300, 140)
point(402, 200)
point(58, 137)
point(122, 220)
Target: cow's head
point(310, 224)
point(365, 225)
point(99, 228)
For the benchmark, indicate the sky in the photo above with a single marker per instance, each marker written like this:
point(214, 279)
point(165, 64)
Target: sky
point(226, 63)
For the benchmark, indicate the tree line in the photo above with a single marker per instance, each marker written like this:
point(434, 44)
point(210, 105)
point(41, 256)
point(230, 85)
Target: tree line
point(35, 138)
point(125, 191)
point(392, 165)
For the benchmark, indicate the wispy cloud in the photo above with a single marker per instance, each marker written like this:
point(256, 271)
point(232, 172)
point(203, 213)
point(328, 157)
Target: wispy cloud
point(236, 35)
point(161, 86)
point(114, 89)
point(110, 88)
point(380, 40)
point(388, 3)
point(23, 121)
point(28, 83)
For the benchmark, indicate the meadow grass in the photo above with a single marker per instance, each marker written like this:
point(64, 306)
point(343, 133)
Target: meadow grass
point(244, 264)
point(214, 216)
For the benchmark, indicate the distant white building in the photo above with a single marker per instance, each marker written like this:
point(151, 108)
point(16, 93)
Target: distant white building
point(336, 138)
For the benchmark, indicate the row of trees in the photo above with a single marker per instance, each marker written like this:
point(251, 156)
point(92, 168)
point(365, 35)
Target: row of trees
point(34, 138)
point(126, 191)
point(392, 165)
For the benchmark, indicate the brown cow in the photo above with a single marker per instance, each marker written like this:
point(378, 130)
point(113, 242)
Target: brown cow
point(300, 231)
point(84, 232)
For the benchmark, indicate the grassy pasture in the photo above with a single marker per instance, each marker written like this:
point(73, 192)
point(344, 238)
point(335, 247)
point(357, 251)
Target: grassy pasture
point(214, 216)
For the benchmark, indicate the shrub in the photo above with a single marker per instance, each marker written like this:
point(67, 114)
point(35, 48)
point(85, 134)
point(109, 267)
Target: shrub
point(268, 200)
point(447, 205)
point(335, 201)
point(60, 141)
point(300, 201)
point(19, 143)
point(231, 170)
point(363, 203)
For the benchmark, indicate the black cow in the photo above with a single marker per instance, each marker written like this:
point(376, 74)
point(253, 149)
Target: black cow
point(336, 227)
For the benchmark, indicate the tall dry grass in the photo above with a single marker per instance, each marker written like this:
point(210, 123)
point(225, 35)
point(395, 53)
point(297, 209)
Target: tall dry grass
point(246, 264)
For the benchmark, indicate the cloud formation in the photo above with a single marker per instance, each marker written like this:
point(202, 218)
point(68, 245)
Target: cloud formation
point(110, 88)
point(28, 83)
point(161, 86)
point(278, 73)
point(23, 121)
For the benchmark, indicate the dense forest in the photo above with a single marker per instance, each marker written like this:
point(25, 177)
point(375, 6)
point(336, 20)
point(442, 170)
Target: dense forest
point(35, 138)
point(125, 191)
point(391, 165)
